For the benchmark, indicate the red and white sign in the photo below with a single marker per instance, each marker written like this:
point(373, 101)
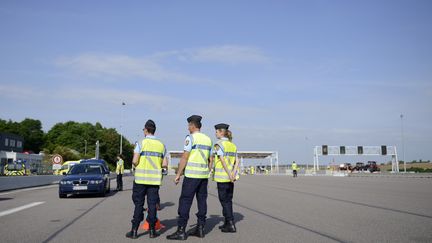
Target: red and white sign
point(57, 159)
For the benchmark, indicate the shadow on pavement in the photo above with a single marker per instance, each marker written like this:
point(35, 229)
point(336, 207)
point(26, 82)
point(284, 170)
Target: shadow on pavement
point(76, 196)
point(166, 205)
point(5, 198)
point(211, 222)
point(215, 220)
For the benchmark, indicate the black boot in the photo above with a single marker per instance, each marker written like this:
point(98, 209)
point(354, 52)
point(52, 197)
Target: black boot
point(230, 227)
point(153, 233)
point(198, 231)
point(224, 225)
point(133, 234)
point(180, 234)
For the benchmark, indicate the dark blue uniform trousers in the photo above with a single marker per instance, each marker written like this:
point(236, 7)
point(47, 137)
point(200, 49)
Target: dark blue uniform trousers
point(139, 192)
point(190, 188)
point(226, 192)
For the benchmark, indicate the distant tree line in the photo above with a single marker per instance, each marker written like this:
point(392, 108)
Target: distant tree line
point(69, 139)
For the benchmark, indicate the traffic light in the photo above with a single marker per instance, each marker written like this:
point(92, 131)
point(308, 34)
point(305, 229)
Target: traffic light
point(342, 149)
point(324, 149)
point(359, 149)
point(383, 150)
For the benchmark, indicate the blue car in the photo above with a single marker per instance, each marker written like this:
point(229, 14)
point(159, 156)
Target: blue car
point(85, 178)
point(97, 161)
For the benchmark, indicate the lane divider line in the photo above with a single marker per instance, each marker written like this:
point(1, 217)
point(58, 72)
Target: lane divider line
point(17, 209)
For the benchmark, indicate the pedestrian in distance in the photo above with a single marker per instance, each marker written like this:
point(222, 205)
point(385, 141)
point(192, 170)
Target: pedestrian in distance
point(120, 172)
point(294, 168)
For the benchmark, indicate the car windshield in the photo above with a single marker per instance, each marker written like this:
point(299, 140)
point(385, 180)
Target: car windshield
point(14, 167)
point(82, 169)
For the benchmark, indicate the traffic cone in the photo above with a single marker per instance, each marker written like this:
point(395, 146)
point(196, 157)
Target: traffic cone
point(146, 225)
point(158, 225)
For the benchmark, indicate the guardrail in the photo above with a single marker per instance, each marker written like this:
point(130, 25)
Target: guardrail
point(8, 183)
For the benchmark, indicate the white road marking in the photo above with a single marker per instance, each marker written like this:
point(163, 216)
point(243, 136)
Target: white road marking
point(14, 210)
point(28, 189)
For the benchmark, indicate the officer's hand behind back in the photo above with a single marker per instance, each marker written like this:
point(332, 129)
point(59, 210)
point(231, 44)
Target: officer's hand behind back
point(177, 179)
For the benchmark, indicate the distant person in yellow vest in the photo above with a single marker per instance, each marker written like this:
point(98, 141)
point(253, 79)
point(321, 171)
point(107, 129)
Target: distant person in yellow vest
point(225, 173)
point(120, 172)
point(294, 168)
point(195, 162)
point(148, 160)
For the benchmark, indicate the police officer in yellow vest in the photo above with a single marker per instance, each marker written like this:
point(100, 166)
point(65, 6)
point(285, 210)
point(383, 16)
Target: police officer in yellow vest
point(225, 173)
point(148, 161)
point(195, 162)
point(294, 168)
point(120, 172)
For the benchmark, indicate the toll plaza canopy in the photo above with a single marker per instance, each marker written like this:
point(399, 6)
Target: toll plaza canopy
point(271, 155)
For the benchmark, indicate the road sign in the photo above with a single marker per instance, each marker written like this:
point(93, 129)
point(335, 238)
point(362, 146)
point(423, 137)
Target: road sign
point(56, 166)
point(57, 159)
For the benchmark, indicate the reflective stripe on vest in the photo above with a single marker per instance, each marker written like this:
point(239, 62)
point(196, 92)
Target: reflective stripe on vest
point(149, 169)
point(229, 155)
point(197, 165)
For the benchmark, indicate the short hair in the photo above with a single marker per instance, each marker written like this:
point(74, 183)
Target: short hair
point(197, 124)
point(151, 130)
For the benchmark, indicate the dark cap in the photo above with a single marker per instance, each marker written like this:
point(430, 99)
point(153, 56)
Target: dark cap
point(194, 118)
point(221, 126)
point(150, 124)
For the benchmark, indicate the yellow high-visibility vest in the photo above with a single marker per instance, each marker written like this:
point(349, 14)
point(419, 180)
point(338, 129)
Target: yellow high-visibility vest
point(120, 167)
point(197, 164)
point(149, 169)
point(294, 167)
point(229, 150)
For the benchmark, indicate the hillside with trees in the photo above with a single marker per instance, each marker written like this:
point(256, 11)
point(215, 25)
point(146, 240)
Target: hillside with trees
point(69, 139)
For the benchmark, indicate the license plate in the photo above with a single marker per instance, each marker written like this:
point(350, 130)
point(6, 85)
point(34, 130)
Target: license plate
point(79, 188)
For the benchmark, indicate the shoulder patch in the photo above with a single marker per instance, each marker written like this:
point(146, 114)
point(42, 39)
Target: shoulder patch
point(217, 147)
point(187, 142)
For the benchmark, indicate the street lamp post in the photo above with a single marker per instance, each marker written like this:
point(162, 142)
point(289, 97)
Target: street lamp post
point(85, 148)
point(403, 142)
point(307, 160)
point(121, 128)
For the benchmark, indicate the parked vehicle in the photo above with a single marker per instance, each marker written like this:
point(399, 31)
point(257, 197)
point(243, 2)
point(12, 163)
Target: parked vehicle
point(66, 166)
point(16, 168)
point(372, 166)
point(360, 166)
point(345, 166)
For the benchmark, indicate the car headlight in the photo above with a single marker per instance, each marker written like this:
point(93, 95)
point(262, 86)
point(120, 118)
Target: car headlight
point(65, 182)
point(96, 181)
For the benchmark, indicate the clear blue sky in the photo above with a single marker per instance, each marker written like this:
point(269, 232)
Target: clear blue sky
point(336, 72)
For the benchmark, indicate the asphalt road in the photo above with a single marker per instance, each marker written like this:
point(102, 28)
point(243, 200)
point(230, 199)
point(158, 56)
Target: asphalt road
point(267, 209)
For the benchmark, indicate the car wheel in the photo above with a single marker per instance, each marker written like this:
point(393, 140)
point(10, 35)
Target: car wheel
point(104, 191)
point(61, 195)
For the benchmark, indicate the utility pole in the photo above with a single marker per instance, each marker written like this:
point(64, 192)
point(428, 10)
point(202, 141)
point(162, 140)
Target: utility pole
point(97, 149)
point(85, 148)
point(307, 160)
point(121, 128)
point(403, 142)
